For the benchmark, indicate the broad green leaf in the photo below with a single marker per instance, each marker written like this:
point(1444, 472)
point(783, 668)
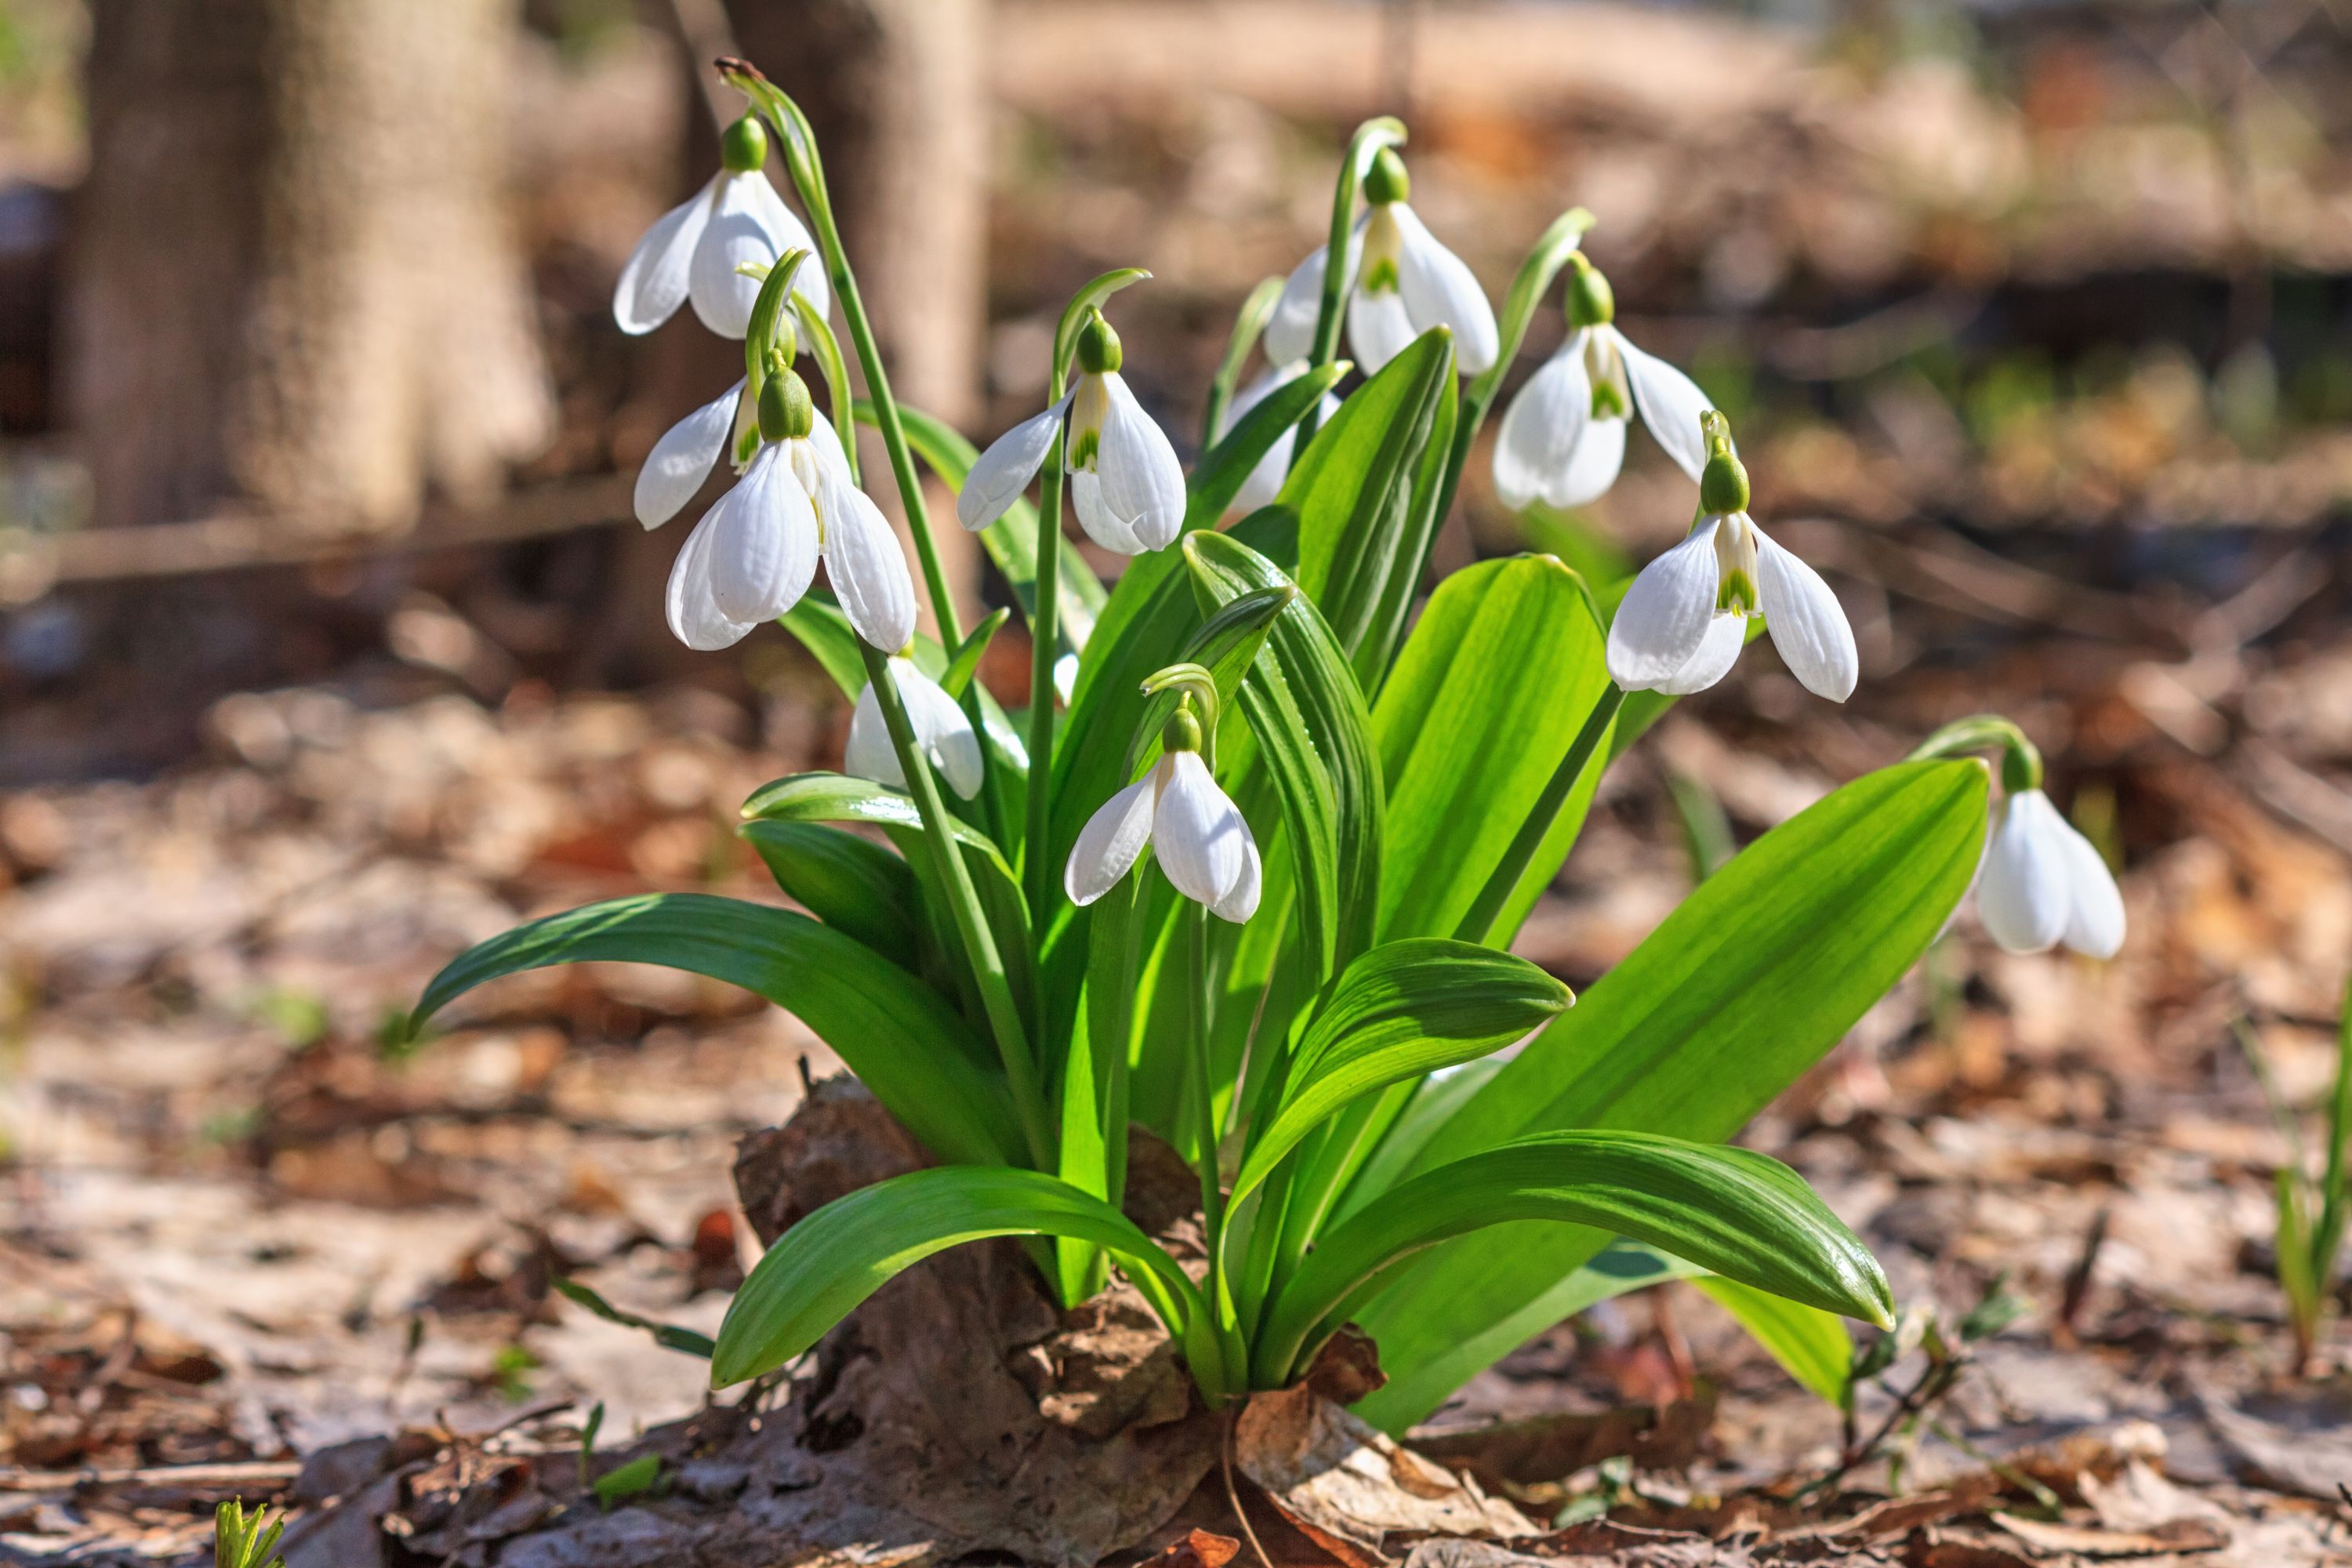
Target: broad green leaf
point(1759, 972)
point(821, 1269)
point(1403, 1010)
point(1400, 584)
point(1484, 700)
point(1011, 539)
point(1314, 738)
point(965, 664)
point(857, 887)
point(838, 797)
point(895, 1034)
point(1095, 1080)
point(1352, 488)
point(1737, 1213)
point(1812, 1346)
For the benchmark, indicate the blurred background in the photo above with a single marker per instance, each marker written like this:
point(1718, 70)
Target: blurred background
point(327, 644)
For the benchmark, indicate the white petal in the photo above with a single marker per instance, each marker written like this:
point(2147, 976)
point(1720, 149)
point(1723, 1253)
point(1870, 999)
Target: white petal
point(864, 559)
point(763, 548)
point(2095, 925)
point(1242, 902)
point(1198, 832)
point(1290, 331)
point(869, 753)
point(1665, 614)
point(1718, 652)
point(1264, 482)
point(941, 728)
point(1004, 471)
point(1591, 469)
point(1379, 329)
point(2024, 892)
point(828, 442)
point(683, 457)
point(654, 283)
point(1113, 836)
point(1143, 482)
point(1670, 404)
point(786, 232)
point(1440, 289)
point(1807, 623)
point(1541, 427)
point(1102, 525)
point(737, 233)
point(693, 609)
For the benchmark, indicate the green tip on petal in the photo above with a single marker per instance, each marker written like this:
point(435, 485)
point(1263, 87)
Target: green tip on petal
point(743, 146)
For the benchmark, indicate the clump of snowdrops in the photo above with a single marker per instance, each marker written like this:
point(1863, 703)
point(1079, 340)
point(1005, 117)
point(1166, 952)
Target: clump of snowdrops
point(1245, 872)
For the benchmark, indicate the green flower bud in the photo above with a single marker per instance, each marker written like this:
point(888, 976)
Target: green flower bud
point(1723, 483)
point(786, 410)
point(1098, 350)
point(1588, 299)
point(1182, 733)
point(1386, 182)
point(743, 146)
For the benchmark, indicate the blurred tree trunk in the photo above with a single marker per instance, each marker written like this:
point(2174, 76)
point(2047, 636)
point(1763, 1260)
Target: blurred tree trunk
point(293, 286)
point(897, 91)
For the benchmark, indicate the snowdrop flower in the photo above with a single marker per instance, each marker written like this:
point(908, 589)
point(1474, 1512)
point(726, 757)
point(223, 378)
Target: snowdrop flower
point(2042, 883)
point(692, 251)
point(1399, 283)
point(1685, 619)
point(1204, 845)
point(753, 554)
point(943, 733)
point(1264, 482)
point(1125, 482)
point(1563, 438)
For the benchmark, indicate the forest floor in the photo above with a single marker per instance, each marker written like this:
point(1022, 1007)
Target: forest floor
point(238, 1235)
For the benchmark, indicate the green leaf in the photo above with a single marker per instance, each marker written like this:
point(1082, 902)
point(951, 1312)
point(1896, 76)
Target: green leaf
point(1737, 1213)
point(1248, 322)
point(1226, 644)
point(824, 631)
point(1483, 703)
point(1759, 972)
point(640, 1475)
point(1812, 1346)
point(1314, 736)
point(1399, 1011)
point(669, 1336)
point(1227, 464)
point(895, 1033)
point(823, 1266)
point(1095, 1084)
point(1352, 488)
point(854, 886)
point(961, 668)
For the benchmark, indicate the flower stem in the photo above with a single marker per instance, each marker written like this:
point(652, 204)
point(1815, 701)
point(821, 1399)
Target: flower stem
point(1479, 924)
point(1370, 137)
point(1214, 1291)
point(2021, 758)
point(1248, 326)
point(1045, 646)
point(972, 925)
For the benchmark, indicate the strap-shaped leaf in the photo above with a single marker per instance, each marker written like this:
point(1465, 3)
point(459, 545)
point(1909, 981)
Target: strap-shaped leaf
point(1484, 700)
point(1403, 1010)
point(1763, 968)
point(1226, 645)
point(1352, 488)
point(895, 1033)
point(1314, 736)
point(823, 1266)
point(857, 887)
point(1812, 1346)
point(1737, 1213)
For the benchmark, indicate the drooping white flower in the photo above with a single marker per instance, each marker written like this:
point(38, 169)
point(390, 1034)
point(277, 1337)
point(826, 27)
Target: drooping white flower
point(1264, 482)
point(1125, 482)
point(692, 251)
point(2042, 883)
point(1177, 808)
point(754, 553)
point(1685, 619)
point(942, 732)
point(1399, 283)
point(1562, 439)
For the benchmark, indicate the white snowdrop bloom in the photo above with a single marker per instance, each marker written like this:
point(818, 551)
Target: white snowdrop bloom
point(692, 251)
point(943, 730)
point(754, 553)
point(1684, 621)
point(1563, 438)
point(2042, 883)
point(1399, 283)
point(1066, 676)
point(1193, 826)
point(1125, 482)
point(1264, 482)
